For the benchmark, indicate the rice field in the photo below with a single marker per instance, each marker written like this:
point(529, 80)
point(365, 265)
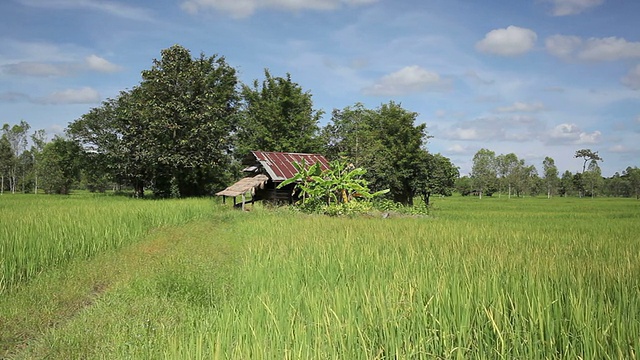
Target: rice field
point(497, 278)
point(40, 232)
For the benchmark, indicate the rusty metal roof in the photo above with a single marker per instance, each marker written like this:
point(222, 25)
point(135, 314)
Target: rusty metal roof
point(279, 165)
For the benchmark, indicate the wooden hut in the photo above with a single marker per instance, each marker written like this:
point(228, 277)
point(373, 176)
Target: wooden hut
point(265, 171)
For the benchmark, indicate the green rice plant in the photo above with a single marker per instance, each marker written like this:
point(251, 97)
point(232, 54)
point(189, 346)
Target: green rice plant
point(42, 232)
point(520, 278)
point(512, 280)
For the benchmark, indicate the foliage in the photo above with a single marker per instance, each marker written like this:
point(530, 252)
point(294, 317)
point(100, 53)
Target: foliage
point(434, 175)
point(6, 160)
point(277, 116)
point(17, 136)
point(507, 171)
point(587, 155)
point(483, 172)
point(550, 176)
point(592, 178)
point(39, 140)
point(566, 184)
point(331, 191)
point(633, 176)
point(174, 128)
point(464, 185)
point(61, 158)
point(385, 141)
point(347, 135)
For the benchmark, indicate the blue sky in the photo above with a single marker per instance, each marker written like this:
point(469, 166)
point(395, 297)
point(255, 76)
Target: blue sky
point(534, 77)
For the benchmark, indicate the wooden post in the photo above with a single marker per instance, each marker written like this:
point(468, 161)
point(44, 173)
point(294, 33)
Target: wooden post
point(242, 201)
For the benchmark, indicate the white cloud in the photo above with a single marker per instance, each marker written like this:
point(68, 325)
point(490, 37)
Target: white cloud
point(572, 7)
point(563, 46)
point(99, 64)
point(522, 107)
point(410, 79)
point(609, 48)
point(37, 69)
point(508, 42)
point(632, 79)
point(56, 69)
point(85, 95)
point(496, 128)
point(458, 149)
point(13, 97)
point(245, 8)
point(572, 134)
point(109, 7)
point(594, 49)
point(620, 149)
point(464, 134)
point(14, 51)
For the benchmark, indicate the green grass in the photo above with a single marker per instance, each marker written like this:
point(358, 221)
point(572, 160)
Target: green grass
point(39, 232)
point(521, 278)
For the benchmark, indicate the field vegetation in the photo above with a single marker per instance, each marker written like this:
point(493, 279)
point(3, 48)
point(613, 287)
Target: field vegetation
point(528, 278)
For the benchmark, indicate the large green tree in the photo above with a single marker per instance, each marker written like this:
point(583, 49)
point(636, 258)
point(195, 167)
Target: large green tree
point(385, 141)
point(587, 155)
point(483, 171)
point(347, 133)
point(526, 179)
point(567, 186)
point(39, 140)
point(190, 106)
point(61, 158)
point(551, 179)
point(277, 115)
point(17, 136)
point(507, 171)
point(6, 161)
point(436, 175)
point(173, 132)
point(633, 176)
point(592, 178)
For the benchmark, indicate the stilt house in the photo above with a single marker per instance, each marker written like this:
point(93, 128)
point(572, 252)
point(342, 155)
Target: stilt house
point(265, 171)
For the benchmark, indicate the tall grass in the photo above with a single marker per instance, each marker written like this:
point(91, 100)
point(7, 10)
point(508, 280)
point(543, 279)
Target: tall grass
point(497, 278)
point(527, 280)
point(39, 232)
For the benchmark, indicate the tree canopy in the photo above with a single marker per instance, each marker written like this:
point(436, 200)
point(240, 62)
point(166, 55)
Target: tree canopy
point(183, 129)
point(277, 115)
point(387, 142)
point(174, 131)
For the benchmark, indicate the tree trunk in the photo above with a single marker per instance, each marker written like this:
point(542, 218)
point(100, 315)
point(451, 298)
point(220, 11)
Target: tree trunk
point(426, 197)
point(138, 189)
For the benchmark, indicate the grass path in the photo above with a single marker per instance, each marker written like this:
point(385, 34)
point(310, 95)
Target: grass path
point(77, 311)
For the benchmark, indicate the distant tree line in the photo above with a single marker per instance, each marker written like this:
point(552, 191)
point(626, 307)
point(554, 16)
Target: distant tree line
point(185, 129)
point(510, 176)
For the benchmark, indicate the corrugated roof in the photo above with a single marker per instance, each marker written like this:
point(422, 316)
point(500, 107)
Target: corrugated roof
point(244, 185)
point(279, 165)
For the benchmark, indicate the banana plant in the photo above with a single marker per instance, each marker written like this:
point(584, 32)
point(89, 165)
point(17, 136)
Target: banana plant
point(340, 183)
